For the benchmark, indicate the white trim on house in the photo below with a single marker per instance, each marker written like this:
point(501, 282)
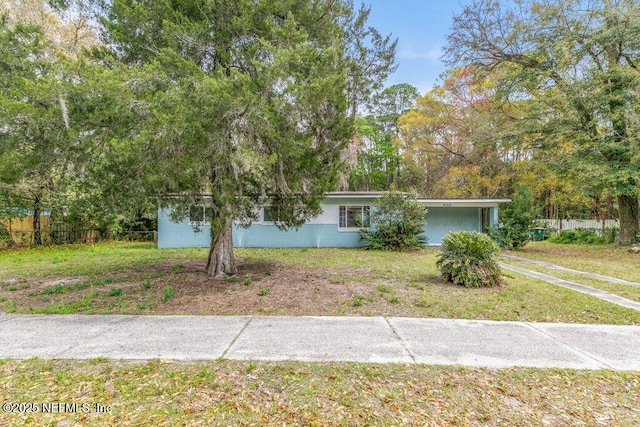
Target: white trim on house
point(205, 220)
point(355, 194)
point(364, 211)
point(462, 203)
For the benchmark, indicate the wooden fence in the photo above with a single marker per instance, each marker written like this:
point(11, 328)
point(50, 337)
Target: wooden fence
point(571, 224)
point(19, 232)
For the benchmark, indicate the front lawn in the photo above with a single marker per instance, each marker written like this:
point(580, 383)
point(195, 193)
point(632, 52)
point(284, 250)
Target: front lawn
point(318, 394)
point(625, 291)
point(607, 260)
point(137, 278)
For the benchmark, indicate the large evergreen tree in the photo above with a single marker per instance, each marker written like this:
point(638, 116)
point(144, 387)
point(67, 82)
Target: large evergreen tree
point(34, 123)
point(245, 101)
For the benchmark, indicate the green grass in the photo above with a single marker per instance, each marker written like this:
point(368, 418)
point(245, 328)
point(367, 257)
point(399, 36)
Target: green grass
point(87, 260)
point(607, 260)
point(263, 292)
point(287, 393)
point(629, 292)
point(341, 282)
point(168, 293)
point(115, 292)
point(83, 305)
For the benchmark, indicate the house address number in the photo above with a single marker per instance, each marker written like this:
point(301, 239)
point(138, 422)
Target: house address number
point(446, 205)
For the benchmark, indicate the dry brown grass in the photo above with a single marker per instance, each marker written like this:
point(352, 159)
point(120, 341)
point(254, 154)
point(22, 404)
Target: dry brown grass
point(276, 394)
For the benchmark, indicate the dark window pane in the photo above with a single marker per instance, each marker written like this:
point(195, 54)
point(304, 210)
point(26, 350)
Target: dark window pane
point(354, 216)
point(366, 216)
point(196, 213)
point(208, 214)
point(267, 216)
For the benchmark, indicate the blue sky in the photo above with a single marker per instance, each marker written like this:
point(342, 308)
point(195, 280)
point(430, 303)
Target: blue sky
point(421, 27)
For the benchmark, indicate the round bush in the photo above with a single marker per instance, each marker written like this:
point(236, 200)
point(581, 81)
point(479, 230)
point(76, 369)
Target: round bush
point(397, 224)
point(469, 259)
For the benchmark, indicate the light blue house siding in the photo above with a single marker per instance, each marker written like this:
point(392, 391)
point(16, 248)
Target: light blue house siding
point(440, 221)
point(325, 231)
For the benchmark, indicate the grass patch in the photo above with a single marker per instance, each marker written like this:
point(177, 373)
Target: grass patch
point(115, 292)
point(61, 288)
point(314, 282)
point(607, 260)
point(263, 292)
point(88, 260)
point(83, 305)
point(386, 289)
point(288, 393)
point(167, 294)
point(227, 278)
point(9, 306)
point(629, 292)
point(357, 301)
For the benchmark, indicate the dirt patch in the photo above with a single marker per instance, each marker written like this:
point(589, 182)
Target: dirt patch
point(261, 288)
point(55, 282)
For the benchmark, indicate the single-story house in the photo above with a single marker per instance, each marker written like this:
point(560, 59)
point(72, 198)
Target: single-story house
point(337, 225)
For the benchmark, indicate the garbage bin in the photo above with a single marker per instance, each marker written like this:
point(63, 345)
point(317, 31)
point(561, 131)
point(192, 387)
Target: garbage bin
point(537, 234)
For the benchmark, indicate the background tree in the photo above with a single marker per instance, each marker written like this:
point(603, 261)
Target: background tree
point(378, 158)
point(578, 62)
point(370, 58)
point(451, 143)
point(246, 101)
point(41, 144)
point(34, 121)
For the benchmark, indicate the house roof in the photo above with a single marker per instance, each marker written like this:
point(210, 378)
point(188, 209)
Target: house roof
point(447, 203)
point(355, 194)
point(453, 203)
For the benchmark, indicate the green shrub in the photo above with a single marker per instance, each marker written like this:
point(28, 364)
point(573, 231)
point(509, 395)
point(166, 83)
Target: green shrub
point(469, 259)
point(610, 234)
point(5, 237)
point(516, 221)
point(584, 236)
point(397, 224)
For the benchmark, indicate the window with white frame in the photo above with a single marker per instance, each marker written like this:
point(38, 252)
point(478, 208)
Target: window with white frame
point(268, 214)
point(354, 216)
point(271, 214)
point(200, 215)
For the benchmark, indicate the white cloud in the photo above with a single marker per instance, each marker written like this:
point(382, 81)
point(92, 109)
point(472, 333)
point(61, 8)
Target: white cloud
point(432, 54)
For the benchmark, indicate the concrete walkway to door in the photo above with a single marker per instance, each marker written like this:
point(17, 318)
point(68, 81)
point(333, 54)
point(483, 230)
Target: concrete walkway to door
point(597, 293)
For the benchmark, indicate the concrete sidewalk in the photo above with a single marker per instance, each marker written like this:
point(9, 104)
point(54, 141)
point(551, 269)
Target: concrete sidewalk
point(322, 339)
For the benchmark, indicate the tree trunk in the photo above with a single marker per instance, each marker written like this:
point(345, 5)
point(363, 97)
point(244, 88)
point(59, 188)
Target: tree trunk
point(221, 259)
point(37, 235)
point(629, 219)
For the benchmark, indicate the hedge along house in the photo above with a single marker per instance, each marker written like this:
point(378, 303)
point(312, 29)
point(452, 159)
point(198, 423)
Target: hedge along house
point(343, 214)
